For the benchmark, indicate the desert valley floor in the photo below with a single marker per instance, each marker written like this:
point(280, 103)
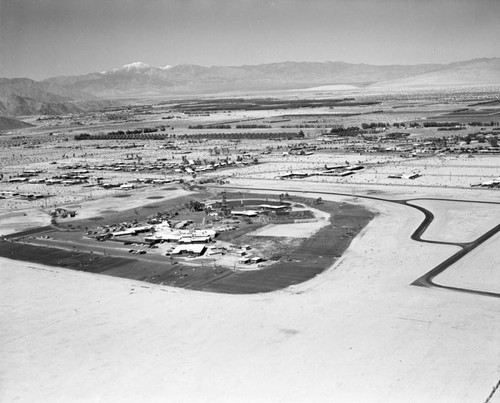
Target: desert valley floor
point(402, 306)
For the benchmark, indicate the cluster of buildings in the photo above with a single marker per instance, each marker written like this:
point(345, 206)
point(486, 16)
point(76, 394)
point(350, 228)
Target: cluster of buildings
point(413, 146)
point(73, 178)
point(27, 196)
point(493, 183)
point(413, 175)
point(136, 164)
point(189, 241)
point(337, 170)
point(164, 233)
point(79, 173)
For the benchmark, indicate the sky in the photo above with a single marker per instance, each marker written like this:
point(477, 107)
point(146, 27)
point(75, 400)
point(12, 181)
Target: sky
point(47, 38)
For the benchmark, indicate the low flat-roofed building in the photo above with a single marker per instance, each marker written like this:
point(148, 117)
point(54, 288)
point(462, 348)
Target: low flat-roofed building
point(245, 260)
point(163, 237)
point(247, 213)
point(195, 239)
point(411, 176)
point(271, 207)
point(143, 228)
point(129, 231)
point(205, 232)
point(189, 249)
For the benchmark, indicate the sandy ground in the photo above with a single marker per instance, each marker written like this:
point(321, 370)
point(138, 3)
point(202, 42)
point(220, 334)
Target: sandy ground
point(137, 198)
point(479, 270)
point(436, 171)
point(15, 221)
point(20, 220)
point(356, 333)
point(459, 222)
point(394, 192)
point(296, 230)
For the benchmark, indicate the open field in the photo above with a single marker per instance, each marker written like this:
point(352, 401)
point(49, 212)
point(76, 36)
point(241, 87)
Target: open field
point(459, 221)
point(301, 230)
point(387, 293)
point(371, 297)
point(477, 271)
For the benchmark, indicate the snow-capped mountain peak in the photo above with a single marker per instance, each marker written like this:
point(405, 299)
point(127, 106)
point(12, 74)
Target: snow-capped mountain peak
point(136, 66)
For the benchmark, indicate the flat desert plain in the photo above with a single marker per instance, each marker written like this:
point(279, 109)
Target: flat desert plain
point(407, 313)
point(358, 332)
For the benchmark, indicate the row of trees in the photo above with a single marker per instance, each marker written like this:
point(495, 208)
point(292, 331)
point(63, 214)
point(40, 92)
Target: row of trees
point(441, 124)
point(247, 135)
point(123, 136)
point(253, 126)
point(209, 127)
point(375, 125)
point(346, 131)
point(219, 151)
point(492, 123)
point(492, 140)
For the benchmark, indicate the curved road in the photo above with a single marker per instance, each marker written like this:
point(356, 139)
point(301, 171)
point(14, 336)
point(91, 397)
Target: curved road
point(427, 279)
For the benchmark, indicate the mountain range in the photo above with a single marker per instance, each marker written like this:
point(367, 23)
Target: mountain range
point(11, 124)
point(65, 94)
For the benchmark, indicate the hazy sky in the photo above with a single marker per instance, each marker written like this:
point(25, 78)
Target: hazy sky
point(45, 38)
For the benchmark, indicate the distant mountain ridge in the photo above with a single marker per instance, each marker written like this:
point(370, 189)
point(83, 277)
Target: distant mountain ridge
point(11, 124)
point(141, 79)
point(22, 96)
point(474, 72)
point(66, 94)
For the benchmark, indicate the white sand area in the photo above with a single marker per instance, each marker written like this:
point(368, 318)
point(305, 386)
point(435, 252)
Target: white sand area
point(295, 230)
point(17, 221)
point(479, 270)
point(136, 198)
point(356, 333)
point(459, 221)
